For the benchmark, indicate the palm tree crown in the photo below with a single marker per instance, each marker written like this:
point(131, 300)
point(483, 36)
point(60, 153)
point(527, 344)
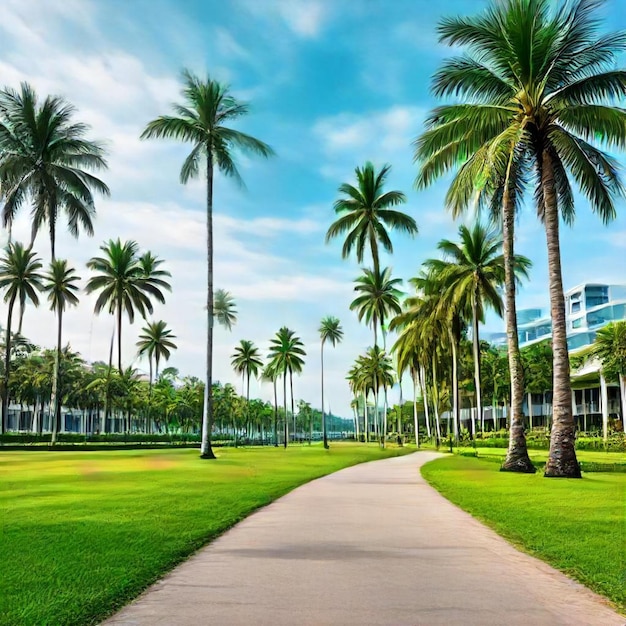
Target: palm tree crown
point(123, 283)
point(378, 298)
point(61, 285)
point(224, 309)
point(156, 342)
point(246, 359)
point(365, 214)
point(45, 158)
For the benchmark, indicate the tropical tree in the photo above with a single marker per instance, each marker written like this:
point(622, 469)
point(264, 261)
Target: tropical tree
point(330, 330)
point(202, 121)
point(21, 279)
point(609, 347)
point(224, 310)
point(378, 299)
point(365, 215)
point(60, 283)
point(246, 360)
point(46, 159)
point(156, 342)
point(471, 273)
point(541, 83)
point(124, 285)
point(286, 357)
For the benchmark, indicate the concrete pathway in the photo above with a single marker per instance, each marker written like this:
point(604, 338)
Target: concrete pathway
point(371, 544)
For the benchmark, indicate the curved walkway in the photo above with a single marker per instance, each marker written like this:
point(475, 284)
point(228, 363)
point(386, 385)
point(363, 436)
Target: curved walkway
point(371, 544)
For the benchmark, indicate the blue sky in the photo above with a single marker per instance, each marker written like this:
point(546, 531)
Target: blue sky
point(331, 84)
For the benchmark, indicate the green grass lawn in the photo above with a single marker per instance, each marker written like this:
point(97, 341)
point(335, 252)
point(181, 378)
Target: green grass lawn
point(589, 456)
point(84, 532)
point(578, 526)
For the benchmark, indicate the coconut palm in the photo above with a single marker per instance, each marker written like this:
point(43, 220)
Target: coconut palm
point(378, 299)
point(365, 215)
point(541, 82)
point(330, 330)
point(609, 347)
point(376, 373)
point(61, 287)
point(124, 285)
point(46, 159)
point(202, 121)
point(286, 355)
point(472, 272)
point(155, 342)
point(224, 309)
point(21, 279)
point(246, 360)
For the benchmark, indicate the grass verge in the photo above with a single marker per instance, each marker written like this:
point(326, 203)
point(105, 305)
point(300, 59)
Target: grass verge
point(85, 532)
point(578, 526)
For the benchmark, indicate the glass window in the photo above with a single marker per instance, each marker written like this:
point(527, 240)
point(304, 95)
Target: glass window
point(577, 323)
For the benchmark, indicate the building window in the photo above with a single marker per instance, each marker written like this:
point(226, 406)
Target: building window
point(577, 323)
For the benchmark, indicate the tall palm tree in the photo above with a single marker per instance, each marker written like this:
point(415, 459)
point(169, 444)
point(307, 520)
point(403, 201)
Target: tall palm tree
point(124, 285)
point(378, 299)
point(246, 360)
point(286, 355)
point(224, 309)
point(330, 330)
point(46, 158)
point(61, 287)
point(365, 214)
point(21, 279)
point(609, 347)
point(542, 82)
point(156, 342)
point(471, 273)
point(202, 121)
point(377, 372)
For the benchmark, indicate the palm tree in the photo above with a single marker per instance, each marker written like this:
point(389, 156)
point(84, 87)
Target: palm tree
point(156, 342)
point(377, 372)
point(201, 120)
point(246, 360)
point(378, 299)
point(224, 309)
point(471, 274)
point(45, 158)
point(286, 352)
point(609, 347)
point(541, 83)
point(365, 215)
point(21, 279)
point(61, 287)
point(124, 285)
point(330, 330)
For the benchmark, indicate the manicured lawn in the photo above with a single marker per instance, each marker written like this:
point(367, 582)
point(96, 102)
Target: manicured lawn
point(84, 532)
point(588, 456)
point(579, 526)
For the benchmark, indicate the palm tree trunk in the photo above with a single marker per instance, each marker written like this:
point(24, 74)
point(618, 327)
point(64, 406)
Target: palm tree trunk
point(206, 451)
point(476, 347)
point(248, 408)
point(286, 428)
point(436, 399)
point(55, 381)
point(119, 337)
point(622, 390)
point(517, 459)
point(455, 387)
point(7, 367)
point(293, 412)
point(365, 424)
point(421, 376)
point(415, 422)
point(562, 460)
point(275, 414)
point(325, 435)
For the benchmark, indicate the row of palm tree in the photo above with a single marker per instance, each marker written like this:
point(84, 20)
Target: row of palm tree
point(534, 96)
point(126, 282)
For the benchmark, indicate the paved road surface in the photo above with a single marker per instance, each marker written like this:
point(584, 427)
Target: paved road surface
point(371, 544)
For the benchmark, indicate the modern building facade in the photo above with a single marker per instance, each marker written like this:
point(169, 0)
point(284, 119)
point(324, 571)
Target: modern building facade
point(588, 307)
